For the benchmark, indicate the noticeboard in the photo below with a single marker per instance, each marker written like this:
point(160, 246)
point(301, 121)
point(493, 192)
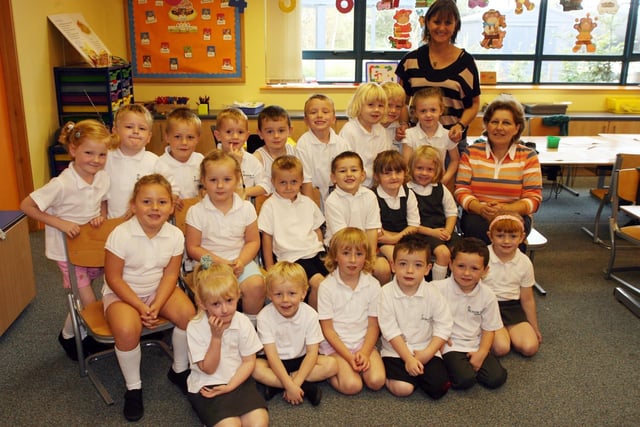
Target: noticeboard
point(190, 40)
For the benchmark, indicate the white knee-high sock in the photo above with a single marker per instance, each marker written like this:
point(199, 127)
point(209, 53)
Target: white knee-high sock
point(438, 271)
point(67, 329)
point(129, 362)
point(180, 350)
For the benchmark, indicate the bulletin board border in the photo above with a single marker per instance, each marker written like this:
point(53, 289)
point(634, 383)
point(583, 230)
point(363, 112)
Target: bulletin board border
point(236, 77)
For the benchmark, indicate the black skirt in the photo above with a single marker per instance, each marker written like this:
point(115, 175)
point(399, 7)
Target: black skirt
point(244, 399)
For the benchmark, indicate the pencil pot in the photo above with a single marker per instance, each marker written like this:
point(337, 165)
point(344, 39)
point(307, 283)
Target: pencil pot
point(553, 141)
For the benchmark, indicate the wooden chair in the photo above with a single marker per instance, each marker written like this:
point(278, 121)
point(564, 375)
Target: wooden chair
point(624, 187)
point(623, 161)
point(185, 281)
point(87, 250)
point(536, 241)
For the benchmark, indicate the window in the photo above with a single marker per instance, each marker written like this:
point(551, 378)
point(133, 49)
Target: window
point(541, 45)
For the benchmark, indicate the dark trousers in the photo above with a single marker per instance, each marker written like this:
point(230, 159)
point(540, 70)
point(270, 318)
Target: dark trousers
point(462, 375)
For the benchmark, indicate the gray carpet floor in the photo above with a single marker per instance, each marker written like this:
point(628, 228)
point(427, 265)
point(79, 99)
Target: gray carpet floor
point(586, 373)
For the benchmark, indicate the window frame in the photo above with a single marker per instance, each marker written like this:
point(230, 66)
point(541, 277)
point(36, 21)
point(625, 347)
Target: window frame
point(360, 55)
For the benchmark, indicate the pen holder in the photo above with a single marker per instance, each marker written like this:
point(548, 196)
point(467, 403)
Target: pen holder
point(203, 109)
point(553, 141)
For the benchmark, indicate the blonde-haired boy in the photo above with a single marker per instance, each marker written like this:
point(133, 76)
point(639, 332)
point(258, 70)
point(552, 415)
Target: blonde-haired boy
point(320, 144)
point(290, 333)
point(232, 132)
point(396, 100)
point(182, 134)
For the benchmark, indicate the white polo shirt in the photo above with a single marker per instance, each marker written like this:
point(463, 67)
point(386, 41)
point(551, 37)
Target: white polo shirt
point(290, 335)
point(415, 137)
point(349, 309)
point(316, 157)
point(69, 197)
point(238, 340)
point(125, 171)
point(472, 313)
point(343, 209)
point(417, 318)
point(391, 135)
point(222, 234)
point(267, 161)
point(253, 172)
point(144, 259)
point(506, 278)
point(186, 175)
point(413, 214)
point(366, 144)
point(293, 225)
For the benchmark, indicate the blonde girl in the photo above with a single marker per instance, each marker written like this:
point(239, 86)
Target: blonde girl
point(427, 105)
point(142, 262)
point(398, 206)
point(364, 132)
point(222, 348)
point(225, 227)
point(75, 197)
point(511, 278)
point(347, 309)
point(436, 205)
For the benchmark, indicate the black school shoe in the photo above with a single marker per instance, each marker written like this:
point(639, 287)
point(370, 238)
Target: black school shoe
point(133, 407)
point(69, 346)
point(312, 392)
point(91, 346)
point(179, 379)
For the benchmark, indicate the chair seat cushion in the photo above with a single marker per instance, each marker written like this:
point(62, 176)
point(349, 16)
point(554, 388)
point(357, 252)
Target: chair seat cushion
point(630, 232)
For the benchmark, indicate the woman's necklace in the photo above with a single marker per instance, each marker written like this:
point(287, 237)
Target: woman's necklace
point(440, 58)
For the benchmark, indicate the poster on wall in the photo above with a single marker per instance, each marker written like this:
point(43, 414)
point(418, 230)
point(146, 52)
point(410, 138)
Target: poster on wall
point(185, 39)
point(77, 31)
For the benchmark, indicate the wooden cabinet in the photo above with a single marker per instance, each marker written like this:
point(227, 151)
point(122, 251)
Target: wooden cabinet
point(207, 142)
point(17, 284)
point(594, 127)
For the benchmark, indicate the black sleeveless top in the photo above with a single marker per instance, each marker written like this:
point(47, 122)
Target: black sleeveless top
point(394, 219)
point(431, 208)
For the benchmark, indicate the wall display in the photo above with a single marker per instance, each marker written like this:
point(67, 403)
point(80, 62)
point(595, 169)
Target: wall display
point(381, 71)
point(186, 39)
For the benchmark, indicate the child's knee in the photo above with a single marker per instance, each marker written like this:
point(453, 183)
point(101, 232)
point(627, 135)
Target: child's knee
point(528, 348)
point(463, 381)
point(253, 287)
point(400, 388)
point(375, 382)
point(501, 348)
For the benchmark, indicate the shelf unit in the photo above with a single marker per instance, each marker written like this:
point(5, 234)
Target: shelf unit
point(77, 88)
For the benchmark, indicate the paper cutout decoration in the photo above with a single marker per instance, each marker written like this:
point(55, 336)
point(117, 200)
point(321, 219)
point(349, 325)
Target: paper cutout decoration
point(287, 6)
point(387, 4)
point(569, 5)
point(424, 3)
point(493, 24)
point(523, 4)
point(344, 6)
point(607, 6)
point(478, 3)
point(401, 30)
point(584, 26)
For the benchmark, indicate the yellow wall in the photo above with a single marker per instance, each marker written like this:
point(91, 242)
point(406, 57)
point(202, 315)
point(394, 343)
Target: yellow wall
point(40, 51)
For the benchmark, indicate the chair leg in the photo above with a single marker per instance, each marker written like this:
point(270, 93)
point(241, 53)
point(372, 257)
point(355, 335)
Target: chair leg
point(82, 366)
point(595, 234)
point(99, 387)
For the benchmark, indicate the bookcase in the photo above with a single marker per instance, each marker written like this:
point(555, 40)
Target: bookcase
point(84, 92)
